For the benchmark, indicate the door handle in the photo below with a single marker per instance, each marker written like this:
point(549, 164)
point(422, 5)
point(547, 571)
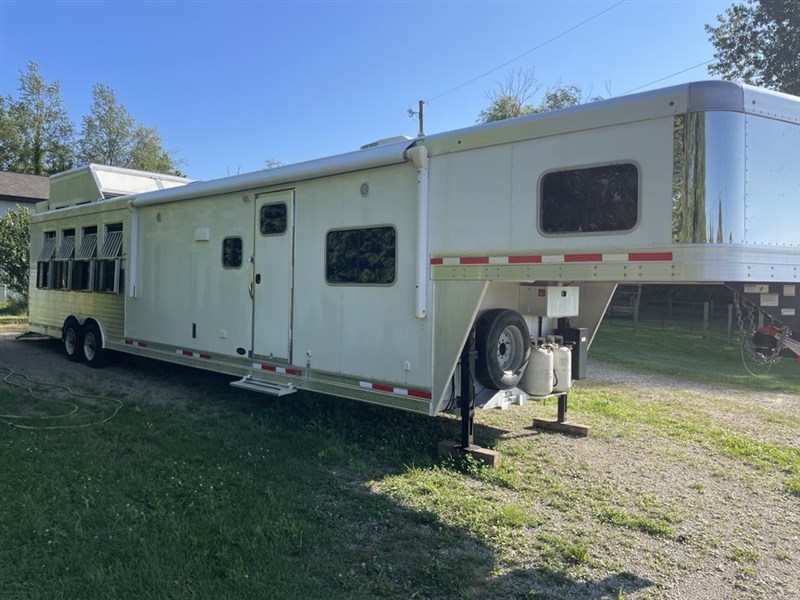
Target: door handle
point(258, 278)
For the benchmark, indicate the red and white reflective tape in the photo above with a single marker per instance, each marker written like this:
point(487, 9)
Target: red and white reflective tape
point(395, 390)
point(274, 369)
point(455, 261)
point(191, 354)
point(134, 343)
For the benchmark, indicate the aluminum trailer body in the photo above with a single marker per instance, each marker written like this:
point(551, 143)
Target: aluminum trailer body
point(362, 275)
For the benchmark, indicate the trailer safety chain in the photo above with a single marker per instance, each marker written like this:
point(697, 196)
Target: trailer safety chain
point(746, 336)
point(8, 374)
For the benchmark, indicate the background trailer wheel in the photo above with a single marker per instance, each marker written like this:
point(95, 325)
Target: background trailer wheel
point(72, 339)
point(504, 347)
point(96, 355)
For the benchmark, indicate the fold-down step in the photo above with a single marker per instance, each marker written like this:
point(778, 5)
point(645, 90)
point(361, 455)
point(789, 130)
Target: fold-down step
point(264, 387)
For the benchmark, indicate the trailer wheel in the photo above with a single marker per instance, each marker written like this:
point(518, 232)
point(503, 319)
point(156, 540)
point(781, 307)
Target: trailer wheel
point(504, 347)
point(96, 355)
point(73, 341)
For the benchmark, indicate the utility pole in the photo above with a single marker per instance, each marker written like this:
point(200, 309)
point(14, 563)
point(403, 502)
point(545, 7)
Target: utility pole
point(420, 117)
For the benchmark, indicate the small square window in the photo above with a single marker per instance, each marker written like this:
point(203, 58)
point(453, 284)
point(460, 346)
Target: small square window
point(232, 252)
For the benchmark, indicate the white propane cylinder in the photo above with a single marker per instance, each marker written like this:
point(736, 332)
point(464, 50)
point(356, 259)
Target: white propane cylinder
point(538, 377)
point(562, 367)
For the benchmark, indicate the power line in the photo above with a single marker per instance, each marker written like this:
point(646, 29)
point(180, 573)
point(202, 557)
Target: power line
point(667, 77)
point(516, 58)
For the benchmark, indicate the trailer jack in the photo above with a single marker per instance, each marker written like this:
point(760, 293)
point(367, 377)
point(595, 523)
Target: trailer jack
point(772, 342)
point(485, 456)
point(560, 424)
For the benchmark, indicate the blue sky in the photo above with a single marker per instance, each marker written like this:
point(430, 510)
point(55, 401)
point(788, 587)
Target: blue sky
point(230, 84)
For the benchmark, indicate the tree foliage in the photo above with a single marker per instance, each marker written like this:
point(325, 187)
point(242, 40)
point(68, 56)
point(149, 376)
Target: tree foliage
point(759, 43)
point(38, 137)
point(14, 247)
point(512, 97)
point(36, 134)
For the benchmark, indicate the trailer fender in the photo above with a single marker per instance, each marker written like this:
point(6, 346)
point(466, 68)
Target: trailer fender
point(504, 347)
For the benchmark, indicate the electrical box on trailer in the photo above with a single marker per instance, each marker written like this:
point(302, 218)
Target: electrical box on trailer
point(549, 301)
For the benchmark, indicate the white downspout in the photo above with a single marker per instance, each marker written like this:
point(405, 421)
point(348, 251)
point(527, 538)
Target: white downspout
point(419, 155)
point(133, 259)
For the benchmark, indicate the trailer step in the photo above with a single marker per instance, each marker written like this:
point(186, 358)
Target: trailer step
point(264, 387)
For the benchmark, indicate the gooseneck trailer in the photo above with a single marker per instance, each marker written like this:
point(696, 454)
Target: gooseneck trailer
point(367, 275)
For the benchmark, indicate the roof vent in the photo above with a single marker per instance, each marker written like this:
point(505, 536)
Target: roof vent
point(384, 141)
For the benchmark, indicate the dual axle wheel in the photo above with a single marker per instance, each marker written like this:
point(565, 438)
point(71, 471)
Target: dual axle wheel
point(84, 342)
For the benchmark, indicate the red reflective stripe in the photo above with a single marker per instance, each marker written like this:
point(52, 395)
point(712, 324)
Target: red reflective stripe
point(437, 261)
point(293, 372)
point(206, 356)
point(583, 258)
point(128, 342)
point(382, 388)
point(474, 260)
point(641, 256)
point(187, 353)
point(419, 394)
point(524, 259)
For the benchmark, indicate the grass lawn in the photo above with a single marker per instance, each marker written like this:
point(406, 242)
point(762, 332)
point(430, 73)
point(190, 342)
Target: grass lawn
point(13, 312)
point(235, 495)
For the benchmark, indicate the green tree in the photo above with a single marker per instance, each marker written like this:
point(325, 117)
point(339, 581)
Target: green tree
point(36, 134)
point(14, 249)
point(511, 98)
point(111, 136)
point(759, 43)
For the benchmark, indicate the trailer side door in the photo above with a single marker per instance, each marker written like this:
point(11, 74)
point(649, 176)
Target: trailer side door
point(273, 262)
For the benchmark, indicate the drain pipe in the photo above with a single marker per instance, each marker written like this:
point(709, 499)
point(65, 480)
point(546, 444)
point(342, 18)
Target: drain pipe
point(133, 259)
point(419, 156)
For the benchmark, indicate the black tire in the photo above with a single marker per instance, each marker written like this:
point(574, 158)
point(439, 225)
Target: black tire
point(504, 347)
point(72, 338)
point(96, 355)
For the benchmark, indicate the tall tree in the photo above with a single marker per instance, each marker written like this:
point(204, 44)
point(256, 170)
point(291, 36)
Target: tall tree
point(759, 43)
point(107, 132)
point(111, 136)
point(14, 248)
point(36, 134)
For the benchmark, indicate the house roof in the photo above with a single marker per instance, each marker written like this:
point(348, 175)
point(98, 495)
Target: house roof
point(21, 187)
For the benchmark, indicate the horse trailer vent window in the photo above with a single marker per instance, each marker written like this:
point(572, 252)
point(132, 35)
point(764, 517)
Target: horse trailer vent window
point(109, 267)
point(49, 246)
point(84, 270)
point(365, 256)
point(590, 200)
point(232, 252)
point(273, 219)
point(44, 265)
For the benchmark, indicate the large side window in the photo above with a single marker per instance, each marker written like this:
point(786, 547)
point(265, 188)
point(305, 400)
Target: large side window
point(44, 264)
point(109, 261)
point(590, 200)
point(363, 256)
point(62, 277)
point(85, 261)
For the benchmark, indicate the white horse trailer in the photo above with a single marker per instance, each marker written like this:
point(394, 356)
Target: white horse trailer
point(364, 275)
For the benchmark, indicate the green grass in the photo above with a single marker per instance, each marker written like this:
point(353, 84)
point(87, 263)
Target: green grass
point(690, 357)
point(235, 495)
point(13, 311)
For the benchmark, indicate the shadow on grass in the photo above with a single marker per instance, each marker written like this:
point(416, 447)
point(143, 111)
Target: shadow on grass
point(229, 494)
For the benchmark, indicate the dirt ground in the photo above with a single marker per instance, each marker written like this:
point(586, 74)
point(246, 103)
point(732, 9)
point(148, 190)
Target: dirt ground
point(739, 534)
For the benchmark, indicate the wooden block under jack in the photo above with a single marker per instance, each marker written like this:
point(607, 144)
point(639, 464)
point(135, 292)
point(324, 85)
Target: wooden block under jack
point(555, 425)
point(489, 458)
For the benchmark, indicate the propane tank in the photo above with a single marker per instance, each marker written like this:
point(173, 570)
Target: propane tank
point(538, 377)
point(562, 369)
